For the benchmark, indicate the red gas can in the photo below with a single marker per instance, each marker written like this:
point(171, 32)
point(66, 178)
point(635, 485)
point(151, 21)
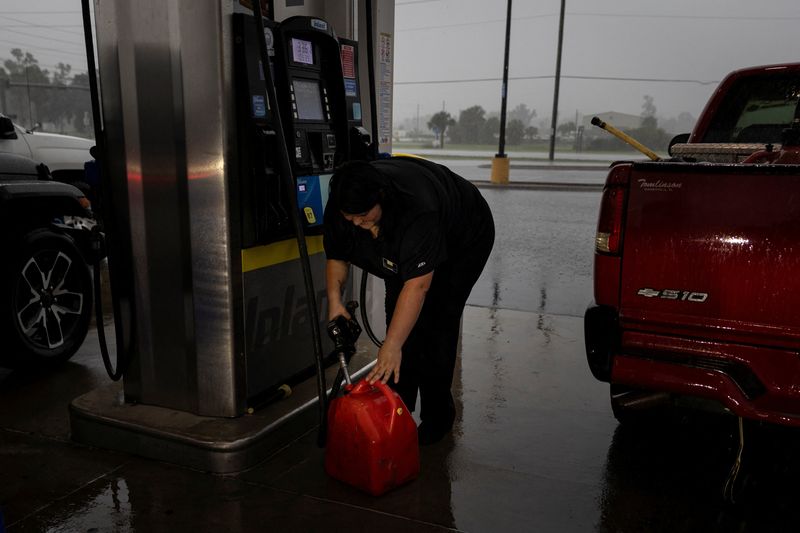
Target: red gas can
point(372, 439)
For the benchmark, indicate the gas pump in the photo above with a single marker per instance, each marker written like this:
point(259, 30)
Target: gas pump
point(306, 68)
point(311, 90)
point(212, 283)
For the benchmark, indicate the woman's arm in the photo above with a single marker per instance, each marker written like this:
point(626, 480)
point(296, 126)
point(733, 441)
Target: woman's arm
point(335, 278)
point(406, 312)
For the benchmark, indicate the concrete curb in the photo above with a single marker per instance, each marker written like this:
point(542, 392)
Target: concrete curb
point(545, 166)
point(540, 186)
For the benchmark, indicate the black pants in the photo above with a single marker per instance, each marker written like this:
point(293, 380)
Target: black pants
point(429, 353)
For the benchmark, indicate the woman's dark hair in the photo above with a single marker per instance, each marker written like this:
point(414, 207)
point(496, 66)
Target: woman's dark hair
point(357, 187)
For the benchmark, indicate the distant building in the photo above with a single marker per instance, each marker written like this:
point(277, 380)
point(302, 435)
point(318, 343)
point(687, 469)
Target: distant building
point(621, 121)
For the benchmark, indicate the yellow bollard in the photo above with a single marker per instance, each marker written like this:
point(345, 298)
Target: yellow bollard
point(500, 165)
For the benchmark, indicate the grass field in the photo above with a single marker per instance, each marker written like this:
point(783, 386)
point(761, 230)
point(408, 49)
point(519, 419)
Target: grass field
point(525, 152)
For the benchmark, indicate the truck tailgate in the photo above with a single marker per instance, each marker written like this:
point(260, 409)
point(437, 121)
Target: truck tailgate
point(713, 252)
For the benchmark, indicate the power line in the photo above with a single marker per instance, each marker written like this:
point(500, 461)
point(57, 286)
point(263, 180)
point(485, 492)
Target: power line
point(550, 76)
point(73, 43)
point(32, 25)
point(80, 69)
point(657, 80)
point(689, 17)
point(26, 48)
point(39, 85)
point(76, 68)
point(41, 13)
point(479, 23)
point(415, 2)
point(605, 15)
point(41, 26)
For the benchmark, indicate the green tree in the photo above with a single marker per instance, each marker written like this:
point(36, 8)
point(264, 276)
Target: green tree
point(58, 107)
point(469, 127)
point(649, 113)
point(39, 96)
point(439, 122)
point(522, 113)
point(648, 133)
point(24, 68)
point(531, 132)
point(515, 132)
point(565, 128)
point(81, 106)
point(490, 131)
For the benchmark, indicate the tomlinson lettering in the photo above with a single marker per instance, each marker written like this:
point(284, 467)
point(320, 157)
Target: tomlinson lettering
point(659, 185)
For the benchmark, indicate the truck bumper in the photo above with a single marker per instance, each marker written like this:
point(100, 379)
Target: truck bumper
point(698, 382)
point(754, 382)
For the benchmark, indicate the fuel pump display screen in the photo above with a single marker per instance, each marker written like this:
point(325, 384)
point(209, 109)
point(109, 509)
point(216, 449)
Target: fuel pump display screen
point(308, 99)
point(302, 52)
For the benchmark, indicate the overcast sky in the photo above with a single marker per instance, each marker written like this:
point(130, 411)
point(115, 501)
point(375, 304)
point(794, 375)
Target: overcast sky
point(52, 30)
point(698, 40)
point(446, 40)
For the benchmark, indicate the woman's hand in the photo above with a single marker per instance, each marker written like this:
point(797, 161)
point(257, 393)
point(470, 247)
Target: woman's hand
point(389, 357)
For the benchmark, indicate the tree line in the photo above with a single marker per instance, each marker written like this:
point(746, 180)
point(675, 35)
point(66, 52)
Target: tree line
point(36, 97)
point(473, 126)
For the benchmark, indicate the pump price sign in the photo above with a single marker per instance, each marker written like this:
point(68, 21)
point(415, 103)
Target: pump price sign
point(348, 61)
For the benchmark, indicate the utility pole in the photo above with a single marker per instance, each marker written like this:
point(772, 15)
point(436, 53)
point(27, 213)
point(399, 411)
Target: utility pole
point(28, 86)
point(500, 163)
point(558, 82)
point(4, 83)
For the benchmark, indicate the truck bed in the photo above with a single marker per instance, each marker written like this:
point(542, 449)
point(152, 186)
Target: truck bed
point(709, 286)
point(713, 251)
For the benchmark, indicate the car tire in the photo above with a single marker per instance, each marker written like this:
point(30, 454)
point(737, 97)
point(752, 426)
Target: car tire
point(48, 290)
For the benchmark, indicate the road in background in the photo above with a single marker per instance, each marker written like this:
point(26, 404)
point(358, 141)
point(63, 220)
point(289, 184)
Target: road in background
point(544, 245)
point(529, 171)
point(543, 252)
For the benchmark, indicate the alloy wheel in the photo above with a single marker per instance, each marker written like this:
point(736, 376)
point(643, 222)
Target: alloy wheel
point(49, 298)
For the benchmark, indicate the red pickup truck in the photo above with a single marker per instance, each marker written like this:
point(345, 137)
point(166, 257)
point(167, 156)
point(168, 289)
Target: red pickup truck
point(697, 261)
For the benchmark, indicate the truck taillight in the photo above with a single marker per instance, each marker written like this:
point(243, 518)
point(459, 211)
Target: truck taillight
point(612, 211)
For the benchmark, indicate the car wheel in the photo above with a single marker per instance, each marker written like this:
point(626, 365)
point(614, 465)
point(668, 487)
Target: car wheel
point(49, 307)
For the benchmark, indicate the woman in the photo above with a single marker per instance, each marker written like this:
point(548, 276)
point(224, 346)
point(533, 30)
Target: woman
point(428, 233)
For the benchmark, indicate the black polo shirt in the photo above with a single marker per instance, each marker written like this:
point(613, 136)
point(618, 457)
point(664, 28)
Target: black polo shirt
point(431, 216)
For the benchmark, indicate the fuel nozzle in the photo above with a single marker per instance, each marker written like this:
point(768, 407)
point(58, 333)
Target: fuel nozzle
point(344, 333)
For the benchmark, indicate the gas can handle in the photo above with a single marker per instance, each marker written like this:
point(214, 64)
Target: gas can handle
point(394, 403)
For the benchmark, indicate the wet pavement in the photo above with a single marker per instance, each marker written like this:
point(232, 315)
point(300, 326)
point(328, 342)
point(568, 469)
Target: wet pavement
point(535, 446)
point(531, 174)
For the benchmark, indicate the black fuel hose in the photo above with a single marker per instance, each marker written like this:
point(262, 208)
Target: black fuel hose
point(123, 347)
point(373, 115)
point(364, 319)
point(122, 359)
point(286, 173)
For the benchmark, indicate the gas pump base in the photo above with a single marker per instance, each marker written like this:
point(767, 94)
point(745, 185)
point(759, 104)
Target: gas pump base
point(102, 419)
